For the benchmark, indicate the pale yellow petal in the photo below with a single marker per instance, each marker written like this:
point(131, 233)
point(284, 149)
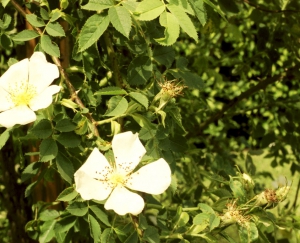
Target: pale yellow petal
point(123, 201)
point(128, 151)
point(5, 100)
point(17, 115)
point(153, 178)
point(96, 165)
point(16, 77)
point(90, 188)
point(44, 99)
point(41, 72)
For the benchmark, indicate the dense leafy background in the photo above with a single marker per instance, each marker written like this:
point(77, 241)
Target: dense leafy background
point(212, 86)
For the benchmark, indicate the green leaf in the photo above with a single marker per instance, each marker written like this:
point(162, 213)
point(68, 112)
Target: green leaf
point(29, 188)
point(201, 219)
point(56, 14)
point(249, 233)
point(47, 231)
point(6, 21)
point(117, 105)
point(111, 90)
point(25, 35)
point(6, 42)
point(171, 25)
point(149, 9)
point(107, 236)
point(98, 5)
point(44, 14)
point(48, 214)
point(199, 8)
point(133, 238)
point(205, 208)
point(48, 150)
point(214, 221)
point(31, 170)
point(237, 189)
point(35, 20)
point(95, 229)
point(78, 208)
point(151, 235)
point(65, 224)
point(164, 55)
point(67, 195)
point(140, 98)
point(143, 122)
point(183, 20)
point(92, 30)
point(120, 19)
point(4, 3)
point(184, 4)
point(175, 114)
point(139, 70)
point(100, 214)
point(65, 167)
point(69, 139)
point(43, 129)
point(55, 29)
point(4, 137)
point(49, 47)
point(65, 125)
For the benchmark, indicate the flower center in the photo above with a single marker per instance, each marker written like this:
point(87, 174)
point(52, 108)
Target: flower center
point(22, 93)
point(117, 178)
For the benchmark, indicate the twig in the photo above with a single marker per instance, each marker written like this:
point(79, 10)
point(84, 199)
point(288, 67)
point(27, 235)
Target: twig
point(62, 71)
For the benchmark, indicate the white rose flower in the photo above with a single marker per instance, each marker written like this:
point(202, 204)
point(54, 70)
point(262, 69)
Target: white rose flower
point(24, 88)
point(97, 179)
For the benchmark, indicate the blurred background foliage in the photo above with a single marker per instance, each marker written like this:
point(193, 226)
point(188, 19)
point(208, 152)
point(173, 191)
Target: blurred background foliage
point(239, 115)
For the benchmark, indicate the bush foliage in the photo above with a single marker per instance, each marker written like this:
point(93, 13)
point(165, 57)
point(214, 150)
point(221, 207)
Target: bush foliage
point(211, 86)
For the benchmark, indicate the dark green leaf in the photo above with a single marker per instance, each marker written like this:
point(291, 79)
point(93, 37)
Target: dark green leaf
point(65, 125)
point(30, 171)
point(48, 150)
point(139, 70)
point(43, 129)
point(78, 208)
point(69, 139)
point(94, 228)
point(67, 195)
point(65, 167)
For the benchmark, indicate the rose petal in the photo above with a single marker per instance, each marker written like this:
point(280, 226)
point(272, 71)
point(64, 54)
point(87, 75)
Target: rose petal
point(128, 151)
point(44, 99)
point(123, 201)
point(153, 178)
point(41, 72)
point(17, 115)
point(16, 77)
point(96, 165)
point(5, 100)
point(90, 188)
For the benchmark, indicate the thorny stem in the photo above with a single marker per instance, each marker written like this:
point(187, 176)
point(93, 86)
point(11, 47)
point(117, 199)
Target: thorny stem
point(62, 71)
